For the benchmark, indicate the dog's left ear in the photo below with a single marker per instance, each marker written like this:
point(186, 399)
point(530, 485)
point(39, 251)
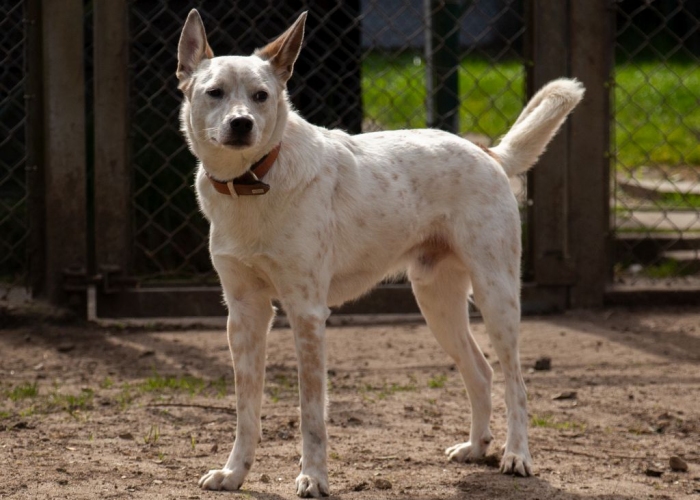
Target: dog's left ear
point(284, 50)
point(192, 49)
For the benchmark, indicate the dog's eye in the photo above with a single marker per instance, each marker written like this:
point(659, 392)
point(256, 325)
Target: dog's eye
point(215, 93)
point(260, 96)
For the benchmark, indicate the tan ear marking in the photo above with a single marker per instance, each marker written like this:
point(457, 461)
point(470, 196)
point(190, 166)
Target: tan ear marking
point(283, 51)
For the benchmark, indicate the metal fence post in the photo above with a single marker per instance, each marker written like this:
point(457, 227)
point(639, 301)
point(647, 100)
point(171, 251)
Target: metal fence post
point(113, 245)
point(591, 28)
point(64, 145)
point(34, 147)
point(442, 63)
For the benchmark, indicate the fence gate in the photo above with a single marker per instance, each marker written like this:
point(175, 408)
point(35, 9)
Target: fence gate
point(134, 238)
point(655, 173)
point(14, 219)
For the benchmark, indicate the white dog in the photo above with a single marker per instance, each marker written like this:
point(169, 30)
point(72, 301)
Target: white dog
point(337, 213)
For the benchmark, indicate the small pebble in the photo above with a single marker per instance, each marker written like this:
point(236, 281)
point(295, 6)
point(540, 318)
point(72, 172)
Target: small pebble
point(65, 347)
point(264, 478)
point(677, 464)
point(543, 364)
point(382, 484)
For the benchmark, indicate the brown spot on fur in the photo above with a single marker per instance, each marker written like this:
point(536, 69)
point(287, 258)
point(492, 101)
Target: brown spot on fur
point(245, 384)
point(310, 357)
point(432, 250)
point(490, 153)
point(381, 180)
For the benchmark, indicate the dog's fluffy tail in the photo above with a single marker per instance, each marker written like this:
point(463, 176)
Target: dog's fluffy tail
point(537, 124)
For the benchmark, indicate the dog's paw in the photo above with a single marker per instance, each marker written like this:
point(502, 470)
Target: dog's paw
point(466, 452)
point(308, 486)
point(221, 479)
point(516, 464)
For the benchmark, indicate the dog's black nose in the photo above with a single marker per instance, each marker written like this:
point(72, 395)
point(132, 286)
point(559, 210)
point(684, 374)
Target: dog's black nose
point(241, 125)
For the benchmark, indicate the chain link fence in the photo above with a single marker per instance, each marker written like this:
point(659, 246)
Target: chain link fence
point(656, 168)
point(362, 68)
point(14, 221)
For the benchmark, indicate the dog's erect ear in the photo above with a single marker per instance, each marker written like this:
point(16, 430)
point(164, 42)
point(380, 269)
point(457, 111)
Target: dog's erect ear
point(284, 50)
point(193, 47)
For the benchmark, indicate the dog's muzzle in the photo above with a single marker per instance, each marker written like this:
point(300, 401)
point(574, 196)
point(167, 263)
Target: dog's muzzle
point(239, 132)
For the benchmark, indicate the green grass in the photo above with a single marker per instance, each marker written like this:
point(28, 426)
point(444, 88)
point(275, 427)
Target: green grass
point(677, 200)
point(186, 383)
point(386, 390)
point(72, 402)
point(437, 382)
point(657, 108)
point(107, 383)
point(667, 268)
point(23, 391)
point(657, 104)
point(393, 93)
point(548, 422)
point(153, 436)
point(281, 386)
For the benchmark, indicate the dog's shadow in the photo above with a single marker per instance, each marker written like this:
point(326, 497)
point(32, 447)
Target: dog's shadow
point(485, 484)
point(480, 485)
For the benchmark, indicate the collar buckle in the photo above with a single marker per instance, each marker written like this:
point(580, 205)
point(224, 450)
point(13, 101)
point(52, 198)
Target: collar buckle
point(248, 184)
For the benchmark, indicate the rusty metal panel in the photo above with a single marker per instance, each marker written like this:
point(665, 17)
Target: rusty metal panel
point(64, 142)
point(113, 245)
point(591, 32)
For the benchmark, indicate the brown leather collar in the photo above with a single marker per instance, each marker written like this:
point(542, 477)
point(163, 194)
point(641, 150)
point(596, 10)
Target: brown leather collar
point(248, 183)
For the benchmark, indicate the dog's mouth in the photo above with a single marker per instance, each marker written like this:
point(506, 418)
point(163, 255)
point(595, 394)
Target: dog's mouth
point(236, 144)
point(231, 143)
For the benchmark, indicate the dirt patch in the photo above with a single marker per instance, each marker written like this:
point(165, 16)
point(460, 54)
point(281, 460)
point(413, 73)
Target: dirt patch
point(103, 414)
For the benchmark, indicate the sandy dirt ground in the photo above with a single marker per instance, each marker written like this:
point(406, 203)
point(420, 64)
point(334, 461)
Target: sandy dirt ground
point(92, 413)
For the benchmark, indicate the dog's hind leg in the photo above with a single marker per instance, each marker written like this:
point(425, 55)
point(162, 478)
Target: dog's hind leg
point(442, 298)
point(249, 320)
point(495, 271)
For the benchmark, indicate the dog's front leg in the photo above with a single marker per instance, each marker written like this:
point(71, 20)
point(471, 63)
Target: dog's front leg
point(309, 323)
point(248, 323)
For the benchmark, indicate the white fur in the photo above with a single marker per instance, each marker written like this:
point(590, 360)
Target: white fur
point(342, 213)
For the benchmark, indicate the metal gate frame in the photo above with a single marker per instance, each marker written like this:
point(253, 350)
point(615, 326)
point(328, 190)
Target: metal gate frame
point(568, 207)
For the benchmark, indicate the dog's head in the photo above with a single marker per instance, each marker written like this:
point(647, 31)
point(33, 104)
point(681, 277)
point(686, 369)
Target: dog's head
point(234, 103)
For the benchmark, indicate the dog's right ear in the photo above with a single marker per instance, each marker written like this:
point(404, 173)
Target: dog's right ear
point(284, 50)
point(193, 47)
